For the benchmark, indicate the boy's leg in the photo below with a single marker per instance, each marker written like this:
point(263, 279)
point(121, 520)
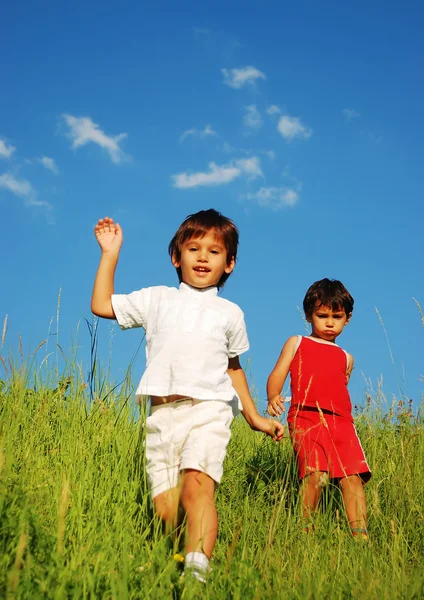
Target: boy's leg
point(197, 499)
point(166, 507)
point(310, 492)
point(354, 501)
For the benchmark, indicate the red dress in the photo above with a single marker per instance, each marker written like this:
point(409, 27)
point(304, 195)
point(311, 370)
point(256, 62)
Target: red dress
point(320, 416)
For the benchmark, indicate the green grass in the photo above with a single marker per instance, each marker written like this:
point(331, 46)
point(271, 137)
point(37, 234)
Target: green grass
point(76, 518)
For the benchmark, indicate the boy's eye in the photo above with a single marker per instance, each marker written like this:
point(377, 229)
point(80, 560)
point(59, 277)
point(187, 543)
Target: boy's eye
point(214, 252)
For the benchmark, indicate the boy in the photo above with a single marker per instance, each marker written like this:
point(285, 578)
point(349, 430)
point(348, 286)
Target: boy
point(320, 415)
point(193, 375)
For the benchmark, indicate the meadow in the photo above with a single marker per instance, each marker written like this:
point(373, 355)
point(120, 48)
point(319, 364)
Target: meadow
point(76, 519)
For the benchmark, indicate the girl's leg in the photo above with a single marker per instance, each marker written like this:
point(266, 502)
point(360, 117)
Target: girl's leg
point(310, 493)
point(197, 499)
point(354, 501)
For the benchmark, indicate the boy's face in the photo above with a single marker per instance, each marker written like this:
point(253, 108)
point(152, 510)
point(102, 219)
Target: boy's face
point(327, 323)
point(203, 261)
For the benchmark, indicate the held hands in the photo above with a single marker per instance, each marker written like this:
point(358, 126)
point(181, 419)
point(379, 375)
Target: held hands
point(275, 406)
point(273, 428)
point(108, 235)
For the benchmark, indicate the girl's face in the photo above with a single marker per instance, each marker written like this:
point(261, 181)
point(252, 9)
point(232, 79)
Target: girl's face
point(327, 323)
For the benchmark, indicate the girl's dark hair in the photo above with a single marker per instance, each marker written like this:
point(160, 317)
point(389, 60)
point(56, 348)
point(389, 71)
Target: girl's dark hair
point(198, 225)
point(328, 292)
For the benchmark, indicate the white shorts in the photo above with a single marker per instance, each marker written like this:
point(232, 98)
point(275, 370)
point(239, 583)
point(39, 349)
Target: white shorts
point(190, 434)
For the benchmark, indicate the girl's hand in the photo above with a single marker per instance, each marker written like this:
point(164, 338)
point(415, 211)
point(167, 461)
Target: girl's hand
point(275, 406)
point(273, 428)
point(108, 235)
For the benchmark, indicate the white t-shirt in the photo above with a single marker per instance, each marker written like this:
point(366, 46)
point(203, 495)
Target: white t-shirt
point(190, 335)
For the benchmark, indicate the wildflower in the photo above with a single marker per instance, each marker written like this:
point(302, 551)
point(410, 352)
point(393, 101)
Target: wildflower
point(179, 558)
point(323, 480)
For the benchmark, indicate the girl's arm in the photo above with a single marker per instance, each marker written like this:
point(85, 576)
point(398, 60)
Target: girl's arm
point(275, 429)
point(350, 364)
point(109, 237)
point(278, 377)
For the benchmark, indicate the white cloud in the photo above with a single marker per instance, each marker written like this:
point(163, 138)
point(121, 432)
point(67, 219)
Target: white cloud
point(273, 110)
point(274, 198)
point(349, 114)
point(19, 187)
point(291, 127)
point(49, 163)
point(250, 166)
point(82, 131)
point(237, 78)
point(270, 154)
point(5, 150)
point(219, 174)
point(22, 188)
point(252, 119)
point(207, 131)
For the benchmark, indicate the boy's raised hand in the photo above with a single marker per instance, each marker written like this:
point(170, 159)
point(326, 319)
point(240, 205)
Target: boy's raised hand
point(271, 427)
point(109, 235)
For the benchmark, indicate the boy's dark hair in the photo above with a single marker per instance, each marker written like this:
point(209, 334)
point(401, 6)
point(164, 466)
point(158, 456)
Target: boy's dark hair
point(329, 292)
point(198, 225)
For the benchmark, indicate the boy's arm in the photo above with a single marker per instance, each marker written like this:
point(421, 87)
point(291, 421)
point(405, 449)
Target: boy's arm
point(275, 429)
point(278, 377)
point(109, 237)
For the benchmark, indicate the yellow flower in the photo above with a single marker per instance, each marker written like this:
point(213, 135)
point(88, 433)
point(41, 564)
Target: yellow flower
point(179, 558)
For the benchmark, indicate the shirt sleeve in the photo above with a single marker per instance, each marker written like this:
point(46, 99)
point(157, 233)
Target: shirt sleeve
point(131, 310)
point(237, 337)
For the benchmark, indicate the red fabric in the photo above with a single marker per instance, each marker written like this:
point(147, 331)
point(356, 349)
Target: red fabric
point(318, 377)
point(326, 442)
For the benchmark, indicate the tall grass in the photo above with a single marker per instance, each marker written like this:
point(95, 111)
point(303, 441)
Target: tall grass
point(76, 520)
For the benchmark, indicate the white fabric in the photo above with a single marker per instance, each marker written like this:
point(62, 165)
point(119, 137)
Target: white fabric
point(191, 434)
point(190, 335)
point(198, 564)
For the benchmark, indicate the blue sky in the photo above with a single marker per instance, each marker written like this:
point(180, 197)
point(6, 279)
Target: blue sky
point(302, 122)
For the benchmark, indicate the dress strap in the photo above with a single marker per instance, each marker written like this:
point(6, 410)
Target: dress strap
point(299, 339)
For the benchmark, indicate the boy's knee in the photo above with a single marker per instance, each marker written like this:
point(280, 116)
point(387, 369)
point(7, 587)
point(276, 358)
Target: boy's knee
point(196, 486)
point(166, 506)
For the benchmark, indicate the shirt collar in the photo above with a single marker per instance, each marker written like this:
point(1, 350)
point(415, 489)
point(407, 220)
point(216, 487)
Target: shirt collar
point(209, 291)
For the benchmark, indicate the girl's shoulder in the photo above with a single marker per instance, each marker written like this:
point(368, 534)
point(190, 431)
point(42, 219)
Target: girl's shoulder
point(292, 344)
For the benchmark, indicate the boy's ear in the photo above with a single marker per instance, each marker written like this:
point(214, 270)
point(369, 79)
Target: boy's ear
point(175, 262)
point(349, 316)
point(229, 268)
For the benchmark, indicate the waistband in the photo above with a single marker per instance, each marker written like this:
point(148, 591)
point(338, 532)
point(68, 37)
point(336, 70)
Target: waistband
point(176, 404)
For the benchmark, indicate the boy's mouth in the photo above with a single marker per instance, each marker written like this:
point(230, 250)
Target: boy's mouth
point(201, 269)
